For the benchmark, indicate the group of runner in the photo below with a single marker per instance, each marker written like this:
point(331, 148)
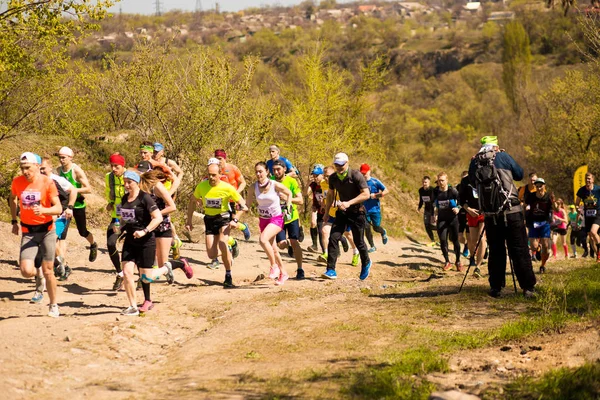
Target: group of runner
point(140, 200)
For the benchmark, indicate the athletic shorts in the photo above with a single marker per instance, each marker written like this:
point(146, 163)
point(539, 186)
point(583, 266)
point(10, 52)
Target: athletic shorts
point(276, 220)
point(44, 241)
point(589, 221)
point(374, 218)
point(143, 256)
point(462, 222)
point(292, 229)
point(539, 230)
point(214, 223)
point(560, 231)
point(331, 221)
point(473, 222)
point(164, 230)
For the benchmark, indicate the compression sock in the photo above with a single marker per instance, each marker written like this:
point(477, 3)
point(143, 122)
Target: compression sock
point(566, 249)
point(554, 250)
point(241, 226)
point(314, 234)
point(146, 289)
point(231, 241)
point(574, 248)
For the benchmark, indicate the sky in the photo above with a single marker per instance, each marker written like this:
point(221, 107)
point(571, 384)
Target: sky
point(148, 6)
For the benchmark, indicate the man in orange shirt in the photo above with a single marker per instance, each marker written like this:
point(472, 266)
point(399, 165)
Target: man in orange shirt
point(38, 201)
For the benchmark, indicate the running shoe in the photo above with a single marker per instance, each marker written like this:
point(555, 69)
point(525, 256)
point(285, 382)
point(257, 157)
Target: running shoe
point(274, 272)
point(355, 259)
point(472, 262)
point(93, 252)
point(187, 268)
point(495, 293)
point(330, 274)
point(465, 252)
point(301, 235)
point(322, 257)
point(585, 254)
point(384, 237)
point(147, 306)
point(235, 249)
point(59, 269)
point(477, 273)
point(118, 283)
point(364, 271)
point(169, 274)
point(313, 249)
point(529, 294)
point(290, 251)
point(573, 255)
point(139, 284)
point(228, 281)
point(246, 232)
point(214, 264)
point(131, 311)
point(66, 275)
point(53, 311)
point(447, 266)
point(542, 270)
point(37, 297)
point(282, 278)
point(177, 243)
point(432, 244)
point(459, 267)
point(373, 249)
point(487, 253)
point(300, 274)
point(345, 246)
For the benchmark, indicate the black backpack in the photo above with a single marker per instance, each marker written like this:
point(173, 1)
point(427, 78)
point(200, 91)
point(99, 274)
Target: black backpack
point(493, 196)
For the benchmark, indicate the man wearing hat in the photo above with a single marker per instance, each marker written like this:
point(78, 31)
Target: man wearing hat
point(539, 211)
point(505, 229)
point(38, 201)
point(353, 190)
point(373, 206)
point(158, 155)
point(74, 174)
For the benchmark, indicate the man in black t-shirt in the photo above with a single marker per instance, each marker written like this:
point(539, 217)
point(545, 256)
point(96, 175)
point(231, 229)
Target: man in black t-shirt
point(539, 214)
point(426, 201)
point(447, 208)
point(352, 189)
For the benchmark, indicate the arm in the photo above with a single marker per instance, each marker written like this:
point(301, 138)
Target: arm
point(164, 194)
point(280, 189)
point(176, 169)
point(72, 198)
point(174, 184)
point(328, 202)
point(81, 177)
point(156, 220)
point(190, 212)
point(363, 196)
point(55, 209)
point(241, 181)
point(110, 203)
point(420, 202)
point(12, 201)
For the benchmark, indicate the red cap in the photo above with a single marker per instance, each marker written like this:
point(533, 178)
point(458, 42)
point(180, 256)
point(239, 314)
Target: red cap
point(364, 168)
point(117, 159)
point(220, 153)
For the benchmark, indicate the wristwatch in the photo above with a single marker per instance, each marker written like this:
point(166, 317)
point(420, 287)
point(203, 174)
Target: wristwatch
point(70, 207)
point(14, 221)
point(235, 220)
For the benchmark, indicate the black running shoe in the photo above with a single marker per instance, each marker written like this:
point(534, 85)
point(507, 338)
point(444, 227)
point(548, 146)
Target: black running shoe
point(301, 235)
point(228, 281)
point(495, 293)
point(300, 274)
point(345, 245)
point(66, 275)
point(118, 283)
point(235, 250)
point(93, 252)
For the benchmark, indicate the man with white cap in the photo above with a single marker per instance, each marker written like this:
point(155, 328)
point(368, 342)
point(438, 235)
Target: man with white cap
point(352, 189)
point(74, 174)
point(38, 201)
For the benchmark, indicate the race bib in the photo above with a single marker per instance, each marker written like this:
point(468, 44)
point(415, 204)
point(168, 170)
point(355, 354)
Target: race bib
point(590, 213)
point(214, 203)
point(268, 212)
point(426, 199)
point(443, 204)
point(30, 199)
point(539, 224)
point(128, 214)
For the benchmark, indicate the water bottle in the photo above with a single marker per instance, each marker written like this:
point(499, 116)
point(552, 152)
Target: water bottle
point(117, 226)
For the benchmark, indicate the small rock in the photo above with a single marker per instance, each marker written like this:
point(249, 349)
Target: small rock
point(452, 395)
point(260, 277)
point(523, 351)
point(535, 348)
point(68, 339)
point(118, 319)
point(5, 299)
point(510, 366)
point(505, 348)
point(501, 370)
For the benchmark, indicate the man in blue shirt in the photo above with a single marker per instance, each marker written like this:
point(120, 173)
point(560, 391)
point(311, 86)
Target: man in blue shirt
point(590, 195)
point(289, 167)
point(373, 207)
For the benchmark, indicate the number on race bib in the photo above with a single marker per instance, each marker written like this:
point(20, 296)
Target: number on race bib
point(30, 199)
point(590, 213)
point(128, 214)
point(426, 199)
point(443, 204)
point(214, 203)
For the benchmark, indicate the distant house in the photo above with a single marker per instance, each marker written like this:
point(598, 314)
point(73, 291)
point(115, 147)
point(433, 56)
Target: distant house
point(499, 16)
point(472, 6)
point(367, 8)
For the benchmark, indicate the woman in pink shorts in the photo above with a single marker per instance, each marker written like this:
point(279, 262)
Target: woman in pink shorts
point(266, 192)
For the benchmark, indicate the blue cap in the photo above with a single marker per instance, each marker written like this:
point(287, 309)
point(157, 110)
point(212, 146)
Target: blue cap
point(38, 158)
point(131, 175)
point(317, 170)
point(158, 147)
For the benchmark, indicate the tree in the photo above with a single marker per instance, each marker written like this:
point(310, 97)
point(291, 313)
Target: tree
point(516, 62)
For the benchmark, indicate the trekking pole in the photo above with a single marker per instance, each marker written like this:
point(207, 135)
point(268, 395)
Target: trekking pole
point(472, 258)
point(512, 271)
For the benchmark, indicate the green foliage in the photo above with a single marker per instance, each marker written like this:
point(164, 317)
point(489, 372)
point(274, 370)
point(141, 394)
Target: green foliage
point(516, 60)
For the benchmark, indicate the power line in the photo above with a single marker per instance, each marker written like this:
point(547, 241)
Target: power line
point(198, 5)
point(157, 8)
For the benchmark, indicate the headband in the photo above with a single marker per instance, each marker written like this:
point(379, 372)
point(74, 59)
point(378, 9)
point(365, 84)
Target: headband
point(117, 159)
point(131, 175)
point(149, 149)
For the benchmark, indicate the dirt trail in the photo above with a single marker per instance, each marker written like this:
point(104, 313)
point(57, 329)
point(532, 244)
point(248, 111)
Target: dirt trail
point(202, 340)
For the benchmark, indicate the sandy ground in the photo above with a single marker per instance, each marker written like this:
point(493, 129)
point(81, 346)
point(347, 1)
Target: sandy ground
point(204, 341)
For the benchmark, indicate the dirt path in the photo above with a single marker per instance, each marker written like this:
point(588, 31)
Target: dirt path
point(205, 341)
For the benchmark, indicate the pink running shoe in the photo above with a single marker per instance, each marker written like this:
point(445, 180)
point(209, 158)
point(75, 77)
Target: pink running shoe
point(274, 272)
point(282, 278)
point(189, 272)
point(147, 306)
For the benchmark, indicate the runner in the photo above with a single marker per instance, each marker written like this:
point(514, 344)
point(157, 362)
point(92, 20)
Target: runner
point(352, 189)
point(327, 224)
point(559, 227)
point(74, 174)
point(289, 167)
point(67, 197)
point(463, 227)
point(38, 201)
point(426, 201)
point(540, 215)
point(373, 207)
point(218, 219)
point(475, 220)
point(318, 209)
point(291, 223)
point(140, 217)
point(153, 182)
point(267, 193)
point(158, 155)
point(114, 190)
point(446, 210)
point(575, 221)
point(589, 194)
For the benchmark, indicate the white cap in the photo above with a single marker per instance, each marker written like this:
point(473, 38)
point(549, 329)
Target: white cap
point(340, 158)
point(213, 160)
point(65, 151)
point(28, 157)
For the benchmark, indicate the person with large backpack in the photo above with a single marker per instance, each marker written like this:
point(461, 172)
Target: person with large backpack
point(492, 172)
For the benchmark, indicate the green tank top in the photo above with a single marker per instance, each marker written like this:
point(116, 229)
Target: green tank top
point(80, 201)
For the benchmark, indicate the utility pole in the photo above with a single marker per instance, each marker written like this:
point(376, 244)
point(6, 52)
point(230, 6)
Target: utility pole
point(217, 7)
point(157, 7)
point(198, 5)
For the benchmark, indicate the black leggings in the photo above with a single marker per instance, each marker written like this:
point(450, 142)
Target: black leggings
point(445, 229)
point(80, 221)
point(369, 233)
point(111, 244)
